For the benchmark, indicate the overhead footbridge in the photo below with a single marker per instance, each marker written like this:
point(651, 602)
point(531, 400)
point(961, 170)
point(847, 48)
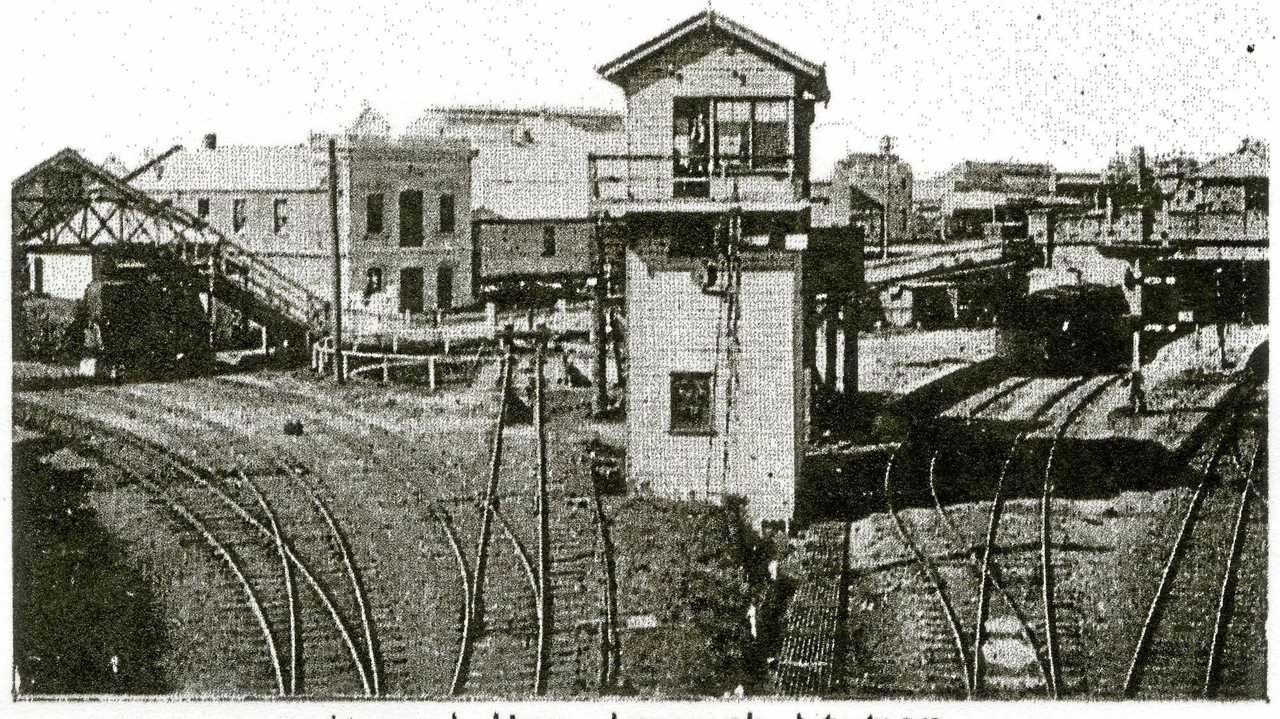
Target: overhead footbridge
point(67, 205)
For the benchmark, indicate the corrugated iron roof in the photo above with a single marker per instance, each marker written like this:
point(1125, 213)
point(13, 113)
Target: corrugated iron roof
point(236, 167)
point(1250, 161)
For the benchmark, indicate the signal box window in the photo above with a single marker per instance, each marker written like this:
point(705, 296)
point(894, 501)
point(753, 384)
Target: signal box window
point(447, 218)
point(691, 403)
point(549, 241)
point(411, 219)
point(280, 215)
point(202, 207)
point(752, 135)
point(373, 214)
point(239, 214)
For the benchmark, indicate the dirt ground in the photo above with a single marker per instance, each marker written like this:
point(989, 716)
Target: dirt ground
point(1110, 540)
point(388, 463)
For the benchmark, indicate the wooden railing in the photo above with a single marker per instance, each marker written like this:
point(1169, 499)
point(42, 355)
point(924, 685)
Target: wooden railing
point(657, 177)
point(270, 287)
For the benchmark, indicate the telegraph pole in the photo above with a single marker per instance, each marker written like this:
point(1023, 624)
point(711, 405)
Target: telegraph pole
point(339, 373)
point(599, 296)
point(544, 527)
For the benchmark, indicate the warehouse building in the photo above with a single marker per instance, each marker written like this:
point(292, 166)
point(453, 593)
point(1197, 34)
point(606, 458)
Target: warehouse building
point(530, 190)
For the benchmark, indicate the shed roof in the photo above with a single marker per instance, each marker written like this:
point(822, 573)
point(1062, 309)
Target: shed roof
point(814, 74)
point(1250, 161)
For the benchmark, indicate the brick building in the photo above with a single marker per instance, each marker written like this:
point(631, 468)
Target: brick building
point(403, 214)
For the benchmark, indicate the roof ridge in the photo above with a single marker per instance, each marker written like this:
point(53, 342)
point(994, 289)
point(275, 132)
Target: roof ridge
point(814, 72)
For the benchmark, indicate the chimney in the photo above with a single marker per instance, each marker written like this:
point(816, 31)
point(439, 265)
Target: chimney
point(886, 145)
point(211, 141)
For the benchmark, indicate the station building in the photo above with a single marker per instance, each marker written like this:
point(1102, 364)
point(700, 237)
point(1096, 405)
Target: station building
point(404, 211)
point(712, 195)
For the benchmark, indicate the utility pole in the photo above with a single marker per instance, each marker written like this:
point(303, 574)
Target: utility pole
point(544, 526)
point(1137, 388)
point(599, 295)
point(339, 372)
point(886, 148)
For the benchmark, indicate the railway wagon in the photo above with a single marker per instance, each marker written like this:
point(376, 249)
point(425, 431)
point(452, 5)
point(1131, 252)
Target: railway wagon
point(1067, 329)
point(1179, 293)
point(140, 323)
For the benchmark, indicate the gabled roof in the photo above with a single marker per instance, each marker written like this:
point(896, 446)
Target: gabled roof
point(95, 184)
point(814, 74)
point(1250, 161)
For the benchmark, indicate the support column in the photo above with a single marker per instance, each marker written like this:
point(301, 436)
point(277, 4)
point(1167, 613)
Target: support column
point(850, 329)
point(809, 347)
point(831, 315)
point(210, 312)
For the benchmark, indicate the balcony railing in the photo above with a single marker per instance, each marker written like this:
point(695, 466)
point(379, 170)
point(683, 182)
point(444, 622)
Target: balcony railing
point(669, 178)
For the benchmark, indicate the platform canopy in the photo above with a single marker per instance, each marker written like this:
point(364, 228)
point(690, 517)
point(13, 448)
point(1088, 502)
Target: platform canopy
point(68, 200)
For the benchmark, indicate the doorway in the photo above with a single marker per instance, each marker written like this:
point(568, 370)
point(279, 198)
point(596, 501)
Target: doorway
point(411, 289)
point(444, 287)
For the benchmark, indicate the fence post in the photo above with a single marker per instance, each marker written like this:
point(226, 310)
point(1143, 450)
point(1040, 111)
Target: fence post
point(491, 315)
point(431, 373)
point(386, 376)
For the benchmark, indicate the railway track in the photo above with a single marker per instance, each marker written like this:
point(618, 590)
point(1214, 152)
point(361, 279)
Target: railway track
point(583, 652)
point(1045, 653)
point(256, 544)
point(808, 656)
point(506, 632)
point(1021, 644)
point(285, 471)
point(945, 628)
point(1188, 626)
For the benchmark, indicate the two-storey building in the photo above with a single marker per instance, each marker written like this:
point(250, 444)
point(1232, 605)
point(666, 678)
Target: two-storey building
point(404, 226)
point(712, 195)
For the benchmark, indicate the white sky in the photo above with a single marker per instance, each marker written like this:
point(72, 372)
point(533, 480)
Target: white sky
point(1064, 82)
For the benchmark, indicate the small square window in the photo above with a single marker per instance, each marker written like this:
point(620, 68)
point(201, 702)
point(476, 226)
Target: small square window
point(692, 403)
point(280, 214)
point(239, 214)
point(202, 207)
